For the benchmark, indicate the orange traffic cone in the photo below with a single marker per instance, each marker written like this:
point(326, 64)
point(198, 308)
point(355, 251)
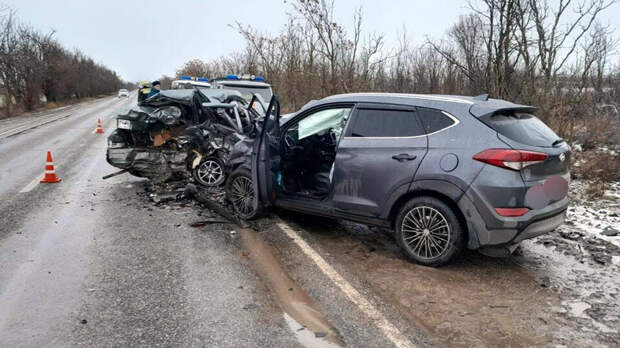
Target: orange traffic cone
point(50, 174)
point(99, 127)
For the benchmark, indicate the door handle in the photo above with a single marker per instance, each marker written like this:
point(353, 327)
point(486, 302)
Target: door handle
point(404, 157)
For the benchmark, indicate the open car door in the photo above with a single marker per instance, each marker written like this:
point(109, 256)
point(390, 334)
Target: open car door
point(266, 156)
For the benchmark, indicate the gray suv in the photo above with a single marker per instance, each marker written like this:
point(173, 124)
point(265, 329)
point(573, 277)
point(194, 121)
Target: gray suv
point(443, 172)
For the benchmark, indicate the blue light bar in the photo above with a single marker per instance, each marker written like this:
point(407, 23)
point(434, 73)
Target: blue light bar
point(185, 77)
point(202, 79)
point(232, 77)
point(259, 78)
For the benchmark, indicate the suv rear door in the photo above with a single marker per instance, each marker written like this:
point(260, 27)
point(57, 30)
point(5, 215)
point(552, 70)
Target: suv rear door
point(381, 151)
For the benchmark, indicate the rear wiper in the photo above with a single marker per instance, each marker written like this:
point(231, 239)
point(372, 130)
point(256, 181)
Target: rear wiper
point(558, 142)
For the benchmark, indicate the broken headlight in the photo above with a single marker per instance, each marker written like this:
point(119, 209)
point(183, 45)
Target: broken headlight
point(115, 145)
point(116, 140)
point(123, 124)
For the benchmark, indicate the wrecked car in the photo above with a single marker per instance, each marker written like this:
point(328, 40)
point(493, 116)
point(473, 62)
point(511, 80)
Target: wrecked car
point(181, 133)
point(443, 172)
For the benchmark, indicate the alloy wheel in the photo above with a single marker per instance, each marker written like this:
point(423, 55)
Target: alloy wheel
point(426, 232)
point(242, 195)
point(210, 173)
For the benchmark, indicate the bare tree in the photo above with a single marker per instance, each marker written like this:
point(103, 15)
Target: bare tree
point(558, 35)
point(35, 67)
point(194, 67)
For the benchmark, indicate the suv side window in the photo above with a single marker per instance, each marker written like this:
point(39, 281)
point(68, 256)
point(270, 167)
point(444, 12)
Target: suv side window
point(377, 123)
point(434, 120)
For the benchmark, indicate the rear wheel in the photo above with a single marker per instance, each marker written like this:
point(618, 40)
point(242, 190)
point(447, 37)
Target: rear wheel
point(240, 193)
point(210, 172)
point(428, 231)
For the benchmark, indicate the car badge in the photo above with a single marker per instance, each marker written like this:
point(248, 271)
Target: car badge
point(562, 157)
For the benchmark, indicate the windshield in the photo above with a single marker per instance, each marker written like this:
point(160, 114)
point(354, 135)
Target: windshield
point(522, 127)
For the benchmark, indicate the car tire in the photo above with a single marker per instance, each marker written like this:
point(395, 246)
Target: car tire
point(237, 187)
point(428, 231)
point(210, 172)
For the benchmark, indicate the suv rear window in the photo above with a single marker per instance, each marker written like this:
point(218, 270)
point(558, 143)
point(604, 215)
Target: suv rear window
point(385, 123)
point(434, 120)
point(522, 127)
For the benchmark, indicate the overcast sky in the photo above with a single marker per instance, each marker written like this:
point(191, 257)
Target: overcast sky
point(142, 40)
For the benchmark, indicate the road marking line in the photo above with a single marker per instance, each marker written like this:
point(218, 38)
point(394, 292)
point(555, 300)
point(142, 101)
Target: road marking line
point(32, 184)
point(389, 330)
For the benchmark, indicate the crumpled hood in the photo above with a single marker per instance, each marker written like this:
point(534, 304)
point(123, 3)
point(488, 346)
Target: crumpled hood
point(163, 107)
point(147, 115)
point(171, 96)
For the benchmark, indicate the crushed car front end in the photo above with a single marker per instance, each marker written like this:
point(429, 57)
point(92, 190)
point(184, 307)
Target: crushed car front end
point(180, 134)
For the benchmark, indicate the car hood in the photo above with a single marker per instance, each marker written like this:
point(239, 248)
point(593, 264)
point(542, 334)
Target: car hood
point(156, 109)
point(148, 114)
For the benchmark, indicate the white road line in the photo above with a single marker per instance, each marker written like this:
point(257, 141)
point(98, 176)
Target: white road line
point(389, 330)
point(32, 184)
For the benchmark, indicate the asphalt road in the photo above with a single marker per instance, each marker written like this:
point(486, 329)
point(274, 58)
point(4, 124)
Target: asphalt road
point(88, 262)
point(92, 262)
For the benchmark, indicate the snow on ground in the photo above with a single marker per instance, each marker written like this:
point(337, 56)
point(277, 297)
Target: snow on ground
point(592, 216)
point(581, 266)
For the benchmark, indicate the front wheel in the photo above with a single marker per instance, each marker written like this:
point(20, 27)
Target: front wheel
point(428, 231)
point(210, 172)
point(240, 193)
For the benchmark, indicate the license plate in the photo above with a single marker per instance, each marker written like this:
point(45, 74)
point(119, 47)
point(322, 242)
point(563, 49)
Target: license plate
point(123, 124)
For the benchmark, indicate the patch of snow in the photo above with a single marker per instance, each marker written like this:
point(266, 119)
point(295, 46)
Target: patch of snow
point(607, 150)
point(593, 216)
point(578, 308)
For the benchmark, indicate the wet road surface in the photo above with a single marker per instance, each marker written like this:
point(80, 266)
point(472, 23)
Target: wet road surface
point(89, 262)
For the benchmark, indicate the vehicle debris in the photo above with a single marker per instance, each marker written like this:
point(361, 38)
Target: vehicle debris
point(205, 222)
point(114, 174)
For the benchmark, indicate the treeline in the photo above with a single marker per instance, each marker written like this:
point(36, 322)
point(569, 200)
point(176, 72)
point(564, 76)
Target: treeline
point(555, 55)
point(35, 67)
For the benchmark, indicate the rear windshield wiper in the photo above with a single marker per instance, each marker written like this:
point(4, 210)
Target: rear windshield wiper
point(558, 142)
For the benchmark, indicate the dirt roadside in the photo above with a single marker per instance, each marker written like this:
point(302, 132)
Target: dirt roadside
point(559, 289)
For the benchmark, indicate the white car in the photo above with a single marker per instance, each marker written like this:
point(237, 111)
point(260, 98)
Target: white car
point(188, 82)
point(123, 93)
point(247, 85)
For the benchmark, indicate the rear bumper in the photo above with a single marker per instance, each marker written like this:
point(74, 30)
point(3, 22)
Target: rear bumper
point(507, 231)
point(540, 227)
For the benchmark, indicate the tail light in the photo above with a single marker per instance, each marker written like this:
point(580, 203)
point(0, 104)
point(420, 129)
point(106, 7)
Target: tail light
point(510, 159)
